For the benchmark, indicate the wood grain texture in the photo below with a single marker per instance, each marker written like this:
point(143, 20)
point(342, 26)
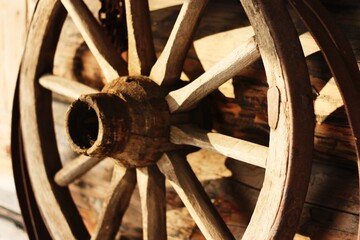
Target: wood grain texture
point(151, 184)
point(238, 149)
point(273, 99)
point(75, 169)
point(289, 160)
point(186, 97)
point(176, 169)
point(117, 201)
point(65, 87)
point(141, 54)
point(168, 67)
point(341, 60)
point(98, 125)
point(326, 130)
point(13, 16)
point(110, 62)
point(42, 155)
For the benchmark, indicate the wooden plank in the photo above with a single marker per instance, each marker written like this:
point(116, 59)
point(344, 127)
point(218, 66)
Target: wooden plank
point(13, 15)
point(331, 187)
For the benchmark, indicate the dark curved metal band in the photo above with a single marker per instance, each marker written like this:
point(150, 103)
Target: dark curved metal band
point(340, 58)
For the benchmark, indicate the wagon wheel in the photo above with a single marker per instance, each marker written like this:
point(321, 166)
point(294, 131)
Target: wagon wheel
point(340, 58)
point(145, 127)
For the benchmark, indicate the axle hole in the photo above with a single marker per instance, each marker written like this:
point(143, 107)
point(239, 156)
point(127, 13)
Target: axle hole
point(83, 125)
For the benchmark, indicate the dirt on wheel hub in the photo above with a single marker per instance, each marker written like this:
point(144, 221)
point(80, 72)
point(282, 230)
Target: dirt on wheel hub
point(129, 121)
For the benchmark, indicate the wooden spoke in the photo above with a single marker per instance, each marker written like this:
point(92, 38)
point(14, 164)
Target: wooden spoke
point(168, 67)
point(99, 44)
point(177, 170)
point(65, 87)
point(151, 184)
point(121, 188)
point(74, 169)
point(238, 149)
point(186, 97)
point(141, 54)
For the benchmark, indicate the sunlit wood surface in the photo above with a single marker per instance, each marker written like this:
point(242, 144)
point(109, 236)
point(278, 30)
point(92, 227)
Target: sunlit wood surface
point(332, 203)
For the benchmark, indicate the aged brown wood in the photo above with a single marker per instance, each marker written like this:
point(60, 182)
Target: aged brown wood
point(141, 54)
point(186, 97)
point(273, 99)
point(238, 149)
point(42, 155)
point(175, 167)
point(64, 87)
point(286, 166)
point(340, 58)
point(168, 67)
point(98, 125)
point(127, 121)
point(122, 185)
point(142, 121)
point(151, 184)
point(110, 62)
point(75, 169)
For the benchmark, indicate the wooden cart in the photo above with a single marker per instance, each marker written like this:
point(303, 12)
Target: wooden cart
point(147, 118)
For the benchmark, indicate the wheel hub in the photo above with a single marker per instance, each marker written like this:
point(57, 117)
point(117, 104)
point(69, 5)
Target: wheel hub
point(129, 121)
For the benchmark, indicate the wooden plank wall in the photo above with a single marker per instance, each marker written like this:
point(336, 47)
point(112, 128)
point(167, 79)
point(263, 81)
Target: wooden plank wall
point(12, 16)
point(14, 20)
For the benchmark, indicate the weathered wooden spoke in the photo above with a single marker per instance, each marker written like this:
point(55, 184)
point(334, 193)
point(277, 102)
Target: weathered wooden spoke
point(121, 188)
point(176, 169)
point(141, 54)
point(186, 97)
point(168, 67)
point(75, 169)
point(151, 184)
point(238, 149)
point(99, 44)
point(65, 87)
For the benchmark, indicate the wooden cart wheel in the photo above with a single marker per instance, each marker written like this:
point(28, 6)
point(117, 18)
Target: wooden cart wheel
point(340, 58)
point(145, 127)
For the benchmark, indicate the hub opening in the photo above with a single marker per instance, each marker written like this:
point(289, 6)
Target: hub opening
point(83, 125)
